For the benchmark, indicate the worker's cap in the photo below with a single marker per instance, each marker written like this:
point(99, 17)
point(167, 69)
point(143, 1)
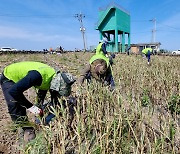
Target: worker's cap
point(104, 40)
point(100, 41)
point(62, 83)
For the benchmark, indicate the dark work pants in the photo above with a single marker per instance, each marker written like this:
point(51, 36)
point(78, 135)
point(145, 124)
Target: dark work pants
point(148, 56)
point(16, 111)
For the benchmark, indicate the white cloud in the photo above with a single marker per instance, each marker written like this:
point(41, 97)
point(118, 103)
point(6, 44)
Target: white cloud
point(16, 33)
point(37, 40)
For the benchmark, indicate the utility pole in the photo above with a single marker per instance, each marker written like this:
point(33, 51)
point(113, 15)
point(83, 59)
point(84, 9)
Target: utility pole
point(82, 28)
point(153, 30)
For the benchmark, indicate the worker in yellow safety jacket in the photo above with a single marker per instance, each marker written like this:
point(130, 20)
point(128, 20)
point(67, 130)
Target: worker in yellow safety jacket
point(147, 52)
point(101, 48)
point(99, 68)
point(18, 77)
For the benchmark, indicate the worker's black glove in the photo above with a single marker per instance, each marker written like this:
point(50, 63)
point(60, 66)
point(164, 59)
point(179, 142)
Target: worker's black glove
point(72, 101)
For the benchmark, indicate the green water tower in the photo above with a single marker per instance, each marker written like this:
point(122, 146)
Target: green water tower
point(114, 24)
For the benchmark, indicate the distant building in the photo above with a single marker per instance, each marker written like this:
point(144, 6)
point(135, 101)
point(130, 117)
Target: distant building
point(137, 48)
point(92, 47)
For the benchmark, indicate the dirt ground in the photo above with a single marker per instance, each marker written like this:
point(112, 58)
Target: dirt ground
point(8, 138)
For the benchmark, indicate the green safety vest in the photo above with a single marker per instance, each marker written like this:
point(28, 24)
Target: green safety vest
point(99, 49)
point(18, 71)
point(145, 51)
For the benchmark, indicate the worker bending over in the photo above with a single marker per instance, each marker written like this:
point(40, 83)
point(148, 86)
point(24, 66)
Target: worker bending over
point(147, 52)
point(18, 77)
point(99, 68)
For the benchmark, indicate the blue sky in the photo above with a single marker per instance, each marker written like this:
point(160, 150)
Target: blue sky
point(39, 24)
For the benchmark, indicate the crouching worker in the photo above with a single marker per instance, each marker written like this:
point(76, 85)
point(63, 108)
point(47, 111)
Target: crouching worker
point(147, 52)
point(18, 77)
point(99, 67)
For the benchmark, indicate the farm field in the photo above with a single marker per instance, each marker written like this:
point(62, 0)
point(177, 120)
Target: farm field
point(142, 115)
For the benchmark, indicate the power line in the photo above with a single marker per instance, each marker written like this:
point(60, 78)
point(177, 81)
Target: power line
point(140, 21)
point(141, 32)
point(176, 31)
point(36, 16)
point(169, 26)
point(145, 32)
